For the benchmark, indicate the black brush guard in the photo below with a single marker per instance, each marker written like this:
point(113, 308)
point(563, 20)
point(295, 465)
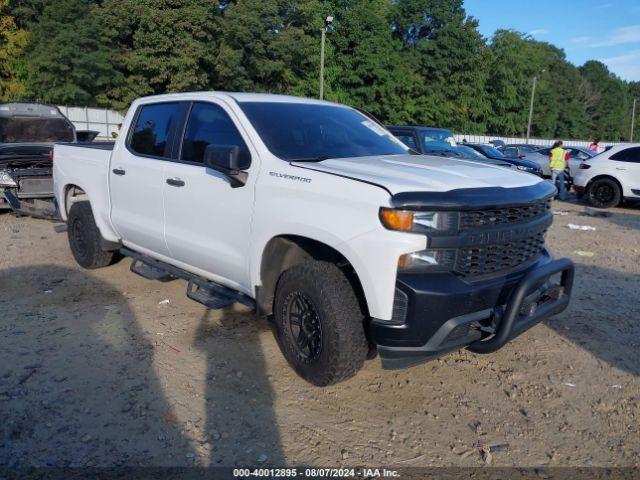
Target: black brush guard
point(512, 322)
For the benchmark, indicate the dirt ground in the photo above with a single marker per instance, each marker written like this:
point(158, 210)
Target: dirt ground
point(96, 370)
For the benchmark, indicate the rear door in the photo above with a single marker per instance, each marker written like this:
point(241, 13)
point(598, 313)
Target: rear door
point(208, 222)
point(136, 177)
point(627, 169)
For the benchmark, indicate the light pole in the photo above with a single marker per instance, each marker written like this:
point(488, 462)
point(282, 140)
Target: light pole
point(633, 117)
point(533, 94)
point(328, 21)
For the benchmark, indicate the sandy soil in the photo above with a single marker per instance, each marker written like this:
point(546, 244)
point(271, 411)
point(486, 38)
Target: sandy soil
point(95, 372)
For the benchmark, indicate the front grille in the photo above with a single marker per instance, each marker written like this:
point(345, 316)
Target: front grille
point(487, 259)
point(497, 216)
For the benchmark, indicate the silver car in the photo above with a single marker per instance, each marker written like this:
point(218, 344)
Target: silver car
point(539, 155)
point(577, 155)
point(529, 152)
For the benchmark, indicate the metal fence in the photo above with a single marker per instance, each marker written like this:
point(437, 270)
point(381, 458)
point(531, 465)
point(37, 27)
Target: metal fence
point(106, 122)
point(534, 141)
point(102, 120)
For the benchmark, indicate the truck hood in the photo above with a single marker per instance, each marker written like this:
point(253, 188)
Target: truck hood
point(422, 173)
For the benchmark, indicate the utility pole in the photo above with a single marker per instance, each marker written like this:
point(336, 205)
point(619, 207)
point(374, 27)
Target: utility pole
point(633, 117)
point(533, 94)
point(327, 22)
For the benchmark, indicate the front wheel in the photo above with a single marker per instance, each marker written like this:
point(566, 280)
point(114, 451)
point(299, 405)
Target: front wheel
point(604, 193)
point(319, 323)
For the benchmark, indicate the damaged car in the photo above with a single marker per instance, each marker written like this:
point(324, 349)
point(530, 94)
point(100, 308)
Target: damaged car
point(28, 132)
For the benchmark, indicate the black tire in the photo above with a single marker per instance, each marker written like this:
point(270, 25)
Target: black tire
point(84, 238)
point(604, 193)
point(332, 345)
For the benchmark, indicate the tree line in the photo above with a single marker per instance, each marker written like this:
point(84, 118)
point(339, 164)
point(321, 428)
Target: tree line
point(406, 61)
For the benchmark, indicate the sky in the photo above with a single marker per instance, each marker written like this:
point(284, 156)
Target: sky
point(606, 30)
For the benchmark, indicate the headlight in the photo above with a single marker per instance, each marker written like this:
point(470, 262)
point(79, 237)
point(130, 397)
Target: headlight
point(418, 221)
point(520, 167)
point(6, 180)
point(432, 260)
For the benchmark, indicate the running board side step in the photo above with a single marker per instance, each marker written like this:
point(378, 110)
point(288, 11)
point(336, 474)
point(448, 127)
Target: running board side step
point(208, 293)
point(150, 273)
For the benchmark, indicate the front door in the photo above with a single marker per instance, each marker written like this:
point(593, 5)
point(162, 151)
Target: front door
point(208, 222)
point(136, 178)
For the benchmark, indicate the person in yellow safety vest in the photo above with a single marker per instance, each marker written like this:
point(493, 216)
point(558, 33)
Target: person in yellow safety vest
point(557, 159)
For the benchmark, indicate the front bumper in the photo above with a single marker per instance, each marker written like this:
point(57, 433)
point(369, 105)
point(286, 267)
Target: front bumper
point(39, 206)
point(438, 313)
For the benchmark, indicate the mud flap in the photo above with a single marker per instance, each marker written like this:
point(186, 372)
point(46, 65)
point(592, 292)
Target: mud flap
point(39, 208)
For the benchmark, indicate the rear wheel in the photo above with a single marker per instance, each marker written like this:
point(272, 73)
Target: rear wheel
point(319, 323)
point(85, 239)
point(604, 193)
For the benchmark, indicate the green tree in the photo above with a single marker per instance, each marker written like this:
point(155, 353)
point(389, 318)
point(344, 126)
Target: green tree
point(365, 67)
point(12, 42)
point(68, 59)
point(448, 53)
point(606, 101)
point(270, 46)
point(160, 46)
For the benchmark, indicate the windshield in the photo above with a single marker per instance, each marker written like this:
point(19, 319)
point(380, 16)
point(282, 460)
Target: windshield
point(436, 139)
point(491, 151)
point(468, 152)
point(314, 132)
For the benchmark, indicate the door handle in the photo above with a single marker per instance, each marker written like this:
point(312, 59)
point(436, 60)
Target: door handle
point(175, 182)
point(119, 171)
point(618, 168)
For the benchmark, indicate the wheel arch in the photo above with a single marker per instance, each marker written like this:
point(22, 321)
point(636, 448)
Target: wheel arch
point(603, 176)
point(285, 251)
point(71, 194)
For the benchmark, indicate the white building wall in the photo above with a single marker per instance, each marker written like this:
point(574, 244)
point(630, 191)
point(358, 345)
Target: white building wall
point(102, 120)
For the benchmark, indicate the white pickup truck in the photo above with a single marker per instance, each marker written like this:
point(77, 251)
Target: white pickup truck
point(314, 214)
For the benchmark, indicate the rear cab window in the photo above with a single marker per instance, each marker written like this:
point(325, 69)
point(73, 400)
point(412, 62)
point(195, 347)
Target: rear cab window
point(152, 129)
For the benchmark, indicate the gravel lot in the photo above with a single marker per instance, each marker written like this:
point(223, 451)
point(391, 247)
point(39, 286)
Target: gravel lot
point(95, 371)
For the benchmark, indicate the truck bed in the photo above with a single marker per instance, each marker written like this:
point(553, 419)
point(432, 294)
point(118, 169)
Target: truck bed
point(84, 166)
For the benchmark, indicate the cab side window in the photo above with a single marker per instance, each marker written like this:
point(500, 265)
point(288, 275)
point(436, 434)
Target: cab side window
point(209, 124)
point(627, 155)
point(150, 133)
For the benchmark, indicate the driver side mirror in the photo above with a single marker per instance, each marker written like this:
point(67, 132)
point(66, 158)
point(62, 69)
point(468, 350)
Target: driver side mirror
point(230, 160)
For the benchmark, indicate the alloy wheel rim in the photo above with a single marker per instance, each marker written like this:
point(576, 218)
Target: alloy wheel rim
point(603, 193)
point(304, 326)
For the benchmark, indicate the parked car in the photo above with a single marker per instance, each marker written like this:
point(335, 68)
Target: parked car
point(529, 153)
point(438, 141)
point(27, 134)
point(491, 152)
point(608, 178)
point(577, 155)
point(313, 213)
